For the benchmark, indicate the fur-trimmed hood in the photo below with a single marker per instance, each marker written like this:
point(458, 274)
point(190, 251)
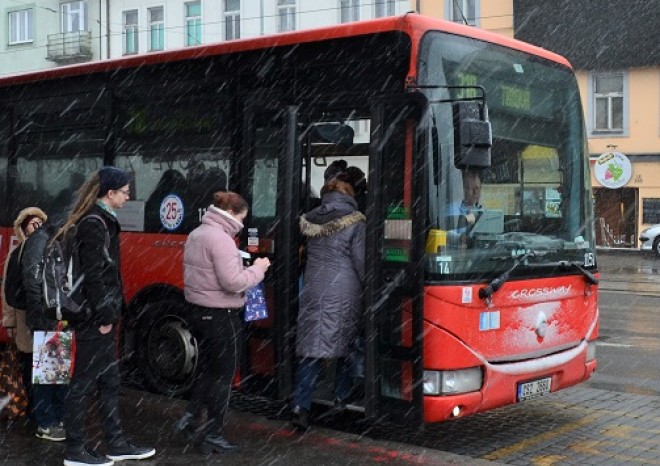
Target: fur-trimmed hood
point(22, 215)
point(314, 230)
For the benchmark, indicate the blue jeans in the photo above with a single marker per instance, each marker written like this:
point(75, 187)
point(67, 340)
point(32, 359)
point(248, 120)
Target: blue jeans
point(307, 378)
point(48, 404)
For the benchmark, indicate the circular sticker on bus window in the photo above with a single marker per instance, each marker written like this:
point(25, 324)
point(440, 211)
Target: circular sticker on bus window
point(171, 212)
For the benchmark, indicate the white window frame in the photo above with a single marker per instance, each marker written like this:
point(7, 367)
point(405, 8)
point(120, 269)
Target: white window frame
point(286, 15)
point(383, 8)
point(190, 40)
point(454, 15)
point(349, 11)
point(592, 108)
point(233, 18)
point(20, 30)
point(70, 10)
point(156, 27)
point(130, 31)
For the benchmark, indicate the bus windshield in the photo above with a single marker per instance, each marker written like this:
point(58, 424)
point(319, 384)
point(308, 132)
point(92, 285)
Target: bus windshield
point(534, 199)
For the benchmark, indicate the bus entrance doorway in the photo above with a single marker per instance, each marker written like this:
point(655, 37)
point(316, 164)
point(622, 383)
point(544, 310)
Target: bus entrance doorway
point(385, 359)
point(293, 153)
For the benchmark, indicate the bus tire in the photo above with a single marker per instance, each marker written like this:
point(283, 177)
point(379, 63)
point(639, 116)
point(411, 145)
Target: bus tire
point(166, 349)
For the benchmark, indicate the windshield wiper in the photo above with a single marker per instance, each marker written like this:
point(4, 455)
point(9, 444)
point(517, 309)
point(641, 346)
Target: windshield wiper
point(488, 290)
point(591, 278)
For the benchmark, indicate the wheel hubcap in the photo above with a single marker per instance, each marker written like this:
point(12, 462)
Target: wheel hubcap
point(172, 350)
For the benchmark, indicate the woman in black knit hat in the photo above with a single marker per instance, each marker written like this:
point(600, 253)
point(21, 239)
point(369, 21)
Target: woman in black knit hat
point(96, 363)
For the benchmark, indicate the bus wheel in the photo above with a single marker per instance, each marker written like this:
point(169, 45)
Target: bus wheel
point(167, 351)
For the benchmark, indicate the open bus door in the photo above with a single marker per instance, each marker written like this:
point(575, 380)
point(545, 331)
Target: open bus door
point(269, 165)
point(395, 247)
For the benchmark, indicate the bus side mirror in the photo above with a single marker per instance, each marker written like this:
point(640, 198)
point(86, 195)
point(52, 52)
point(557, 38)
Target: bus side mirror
point(473, 136)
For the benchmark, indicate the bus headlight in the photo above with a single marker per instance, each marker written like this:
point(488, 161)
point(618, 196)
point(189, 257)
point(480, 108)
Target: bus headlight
point(591, 350)
point(453, 382)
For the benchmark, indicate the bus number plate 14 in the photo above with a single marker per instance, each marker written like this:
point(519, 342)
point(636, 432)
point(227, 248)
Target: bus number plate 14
point(529, 390)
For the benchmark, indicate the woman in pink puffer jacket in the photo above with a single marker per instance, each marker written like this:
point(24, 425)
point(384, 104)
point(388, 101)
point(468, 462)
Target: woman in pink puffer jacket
point(215, 281)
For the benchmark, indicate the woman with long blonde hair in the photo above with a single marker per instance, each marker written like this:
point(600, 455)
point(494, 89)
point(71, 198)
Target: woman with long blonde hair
point(96, 365)
point(87, 196)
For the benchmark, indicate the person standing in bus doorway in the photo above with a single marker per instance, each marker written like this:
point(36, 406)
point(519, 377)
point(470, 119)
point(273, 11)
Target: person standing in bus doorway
point(46, 401)
point(96, 362)
point(215, 281)
point(331, 302)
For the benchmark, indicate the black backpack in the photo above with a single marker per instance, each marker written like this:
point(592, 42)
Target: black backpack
point(61, 277)
point(14, 290)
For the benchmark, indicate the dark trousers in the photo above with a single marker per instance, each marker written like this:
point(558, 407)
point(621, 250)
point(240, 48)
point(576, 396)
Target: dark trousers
point(218, 333)
point(48, 404)
point(96, 369)
point(307, 378)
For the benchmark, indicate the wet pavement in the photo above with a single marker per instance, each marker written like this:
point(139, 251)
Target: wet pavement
point(148, 420)
point(629, 271)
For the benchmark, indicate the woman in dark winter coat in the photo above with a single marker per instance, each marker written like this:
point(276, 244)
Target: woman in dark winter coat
point(331, 301)
point(46, 401)
point(96, 228)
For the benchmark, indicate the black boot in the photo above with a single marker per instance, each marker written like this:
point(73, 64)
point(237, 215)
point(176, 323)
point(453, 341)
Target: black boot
point(216, 442)
point(300, 421)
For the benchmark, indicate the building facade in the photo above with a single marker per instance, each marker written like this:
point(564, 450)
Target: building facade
point(42, 34)
point(38, 34)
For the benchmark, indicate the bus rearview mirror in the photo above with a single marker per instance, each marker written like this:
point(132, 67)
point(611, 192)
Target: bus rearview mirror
point(473, 137)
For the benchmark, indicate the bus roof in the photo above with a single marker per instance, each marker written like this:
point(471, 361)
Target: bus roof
point(412, 24)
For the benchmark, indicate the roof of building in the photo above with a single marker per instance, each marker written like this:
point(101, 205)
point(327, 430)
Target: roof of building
point(593, 34)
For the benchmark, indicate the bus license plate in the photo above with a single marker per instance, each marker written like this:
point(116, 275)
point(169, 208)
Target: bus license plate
point(533, 389)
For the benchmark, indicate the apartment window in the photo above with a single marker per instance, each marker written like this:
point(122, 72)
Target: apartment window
point(384, 8)
point(156, 28)
point(193, 23)
point(608, 102)
point(74, 16)
point(20, 26)
point(130, 34)
point(286, 12)
point(232, 19)
point(463, 10)
point(349, 10)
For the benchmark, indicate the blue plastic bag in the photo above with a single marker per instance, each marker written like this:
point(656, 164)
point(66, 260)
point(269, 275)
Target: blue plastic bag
point(255, 303)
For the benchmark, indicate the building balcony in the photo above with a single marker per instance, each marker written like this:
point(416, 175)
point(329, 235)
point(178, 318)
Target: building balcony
point(69, 47)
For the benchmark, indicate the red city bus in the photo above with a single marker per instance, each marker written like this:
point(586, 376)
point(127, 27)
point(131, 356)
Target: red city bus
point(464, 311)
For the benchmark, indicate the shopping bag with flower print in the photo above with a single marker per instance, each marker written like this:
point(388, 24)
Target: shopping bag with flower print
point(255, 303)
